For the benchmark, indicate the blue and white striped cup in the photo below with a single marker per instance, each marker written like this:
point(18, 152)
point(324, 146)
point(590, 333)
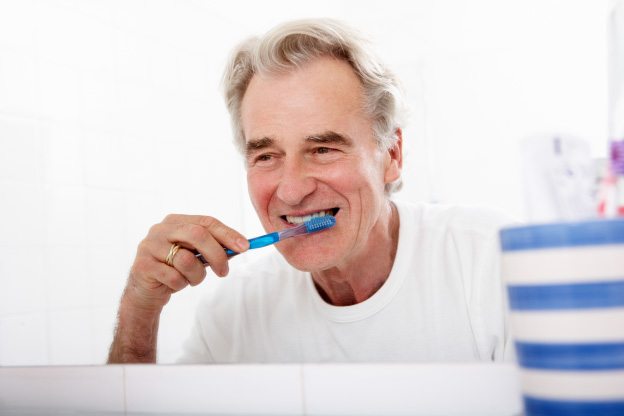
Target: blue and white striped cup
point(565, 284)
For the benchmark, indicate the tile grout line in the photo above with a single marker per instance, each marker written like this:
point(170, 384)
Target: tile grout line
point(304, 410)
point(123, 377)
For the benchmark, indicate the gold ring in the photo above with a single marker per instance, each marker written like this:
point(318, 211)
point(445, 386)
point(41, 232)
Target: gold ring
point(172, 252)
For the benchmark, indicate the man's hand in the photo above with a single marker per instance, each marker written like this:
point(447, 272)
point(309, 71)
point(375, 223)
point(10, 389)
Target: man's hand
point(152, 280)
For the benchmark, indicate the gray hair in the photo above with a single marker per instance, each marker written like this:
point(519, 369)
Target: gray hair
point(292, 44)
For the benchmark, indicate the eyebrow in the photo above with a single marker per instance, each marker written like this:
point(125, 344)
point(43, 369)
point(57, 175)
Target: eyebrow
point(255, 145)
point(328, 137)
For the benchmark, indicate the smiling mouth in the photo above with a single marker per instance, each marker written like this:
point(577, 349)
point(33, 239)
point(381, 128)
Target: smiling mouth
point(292, 219)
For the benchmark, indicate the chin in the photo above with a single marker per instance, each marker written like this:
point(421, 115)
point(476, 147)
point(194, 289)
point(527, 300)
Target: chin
point(307, 261)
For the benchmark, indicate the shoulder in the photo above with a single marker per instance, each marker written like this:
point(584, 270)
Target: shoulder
point(453, 220)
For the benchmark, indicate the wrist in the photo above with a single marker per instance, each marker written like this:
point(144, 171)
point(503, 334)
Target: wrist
point(135, 301)
point(136, 332)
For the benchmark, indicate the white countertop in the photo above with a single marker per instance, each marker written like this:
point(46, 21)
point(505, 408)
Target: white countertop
point(308, 389)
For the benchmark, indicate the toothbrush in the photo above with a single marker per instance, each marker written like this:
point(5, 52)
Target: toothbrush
point(311, 226)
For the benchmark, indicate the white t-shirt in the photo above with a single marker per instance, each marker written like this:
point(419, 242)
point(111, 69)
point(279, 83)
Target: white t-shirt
point(443, 301)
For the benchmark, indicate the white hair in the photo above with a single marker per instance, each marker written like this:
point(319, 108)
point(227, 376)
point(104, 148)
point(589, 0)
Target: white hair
point(291, 45)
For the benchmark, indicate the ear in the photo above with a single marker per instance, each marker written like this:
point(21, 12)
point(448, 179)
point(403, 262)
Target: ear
point(394, 159)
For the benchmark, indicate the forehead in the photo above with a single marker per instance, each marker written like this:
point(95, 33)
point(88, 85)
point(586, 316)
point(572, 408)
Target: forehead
point(324, 94)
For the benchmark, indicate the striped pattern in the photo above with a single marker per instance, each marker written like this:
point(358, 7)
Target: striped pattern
point(571, 234)
point(596, 325)
point(537, 406)
point(572, 296)
point(561, 265)
point(571, 356)
point(573, 385)
point(565, 284)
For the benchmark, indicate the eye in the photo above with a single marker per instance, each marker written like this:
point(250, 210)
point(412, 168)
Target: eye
point(324, 154)
point(323, 150)
point(262, 159)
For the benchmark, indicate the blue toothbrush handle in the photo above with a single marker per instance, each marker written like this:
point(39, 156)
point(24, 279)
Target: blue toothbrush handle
point(257, 242)
point(311, 226)
point(264, 240)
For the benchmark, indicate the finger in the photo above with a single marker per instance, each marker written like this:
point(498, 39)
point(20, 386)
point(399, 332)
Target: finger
point(189, 266)
point(226, 236)
point(184, 261)
point(213, 256)
point(169, 277)
point(191, 238)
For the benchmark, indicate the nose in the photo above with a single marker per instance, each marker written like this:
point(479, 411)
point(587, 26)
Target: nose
point(296, 183)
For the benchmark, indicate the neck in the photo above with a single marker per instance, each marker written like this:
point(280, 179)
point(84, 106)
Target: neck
point(359, 278)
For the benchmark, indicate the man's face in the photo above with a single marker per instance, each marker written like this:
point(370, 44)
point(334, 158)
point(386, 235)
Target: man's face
point(311, 149)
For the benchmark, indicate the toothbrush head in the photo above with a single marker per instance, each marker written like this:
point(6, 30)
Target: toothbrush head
point(320, 223)
point(311, 226)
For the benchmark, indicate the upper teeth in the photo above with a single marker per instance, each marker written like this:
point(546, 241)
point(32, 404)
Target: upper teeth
point(298, 220)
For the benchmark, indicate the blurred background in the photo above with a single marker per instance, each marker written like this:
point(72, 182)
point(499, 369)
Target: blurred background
point(111, 117)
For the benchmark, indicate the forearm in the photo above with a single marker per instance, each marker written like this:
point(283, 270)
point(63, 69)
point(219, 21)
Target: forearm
point(135, 336)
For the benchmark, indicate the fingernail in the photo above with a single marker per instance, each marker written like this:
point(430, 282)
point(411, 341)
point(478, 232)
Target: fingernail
point(241, 243)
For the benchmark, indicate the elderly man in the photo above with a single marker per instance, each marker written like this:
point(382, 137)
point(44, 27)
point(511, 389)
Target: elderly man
point(317, 118)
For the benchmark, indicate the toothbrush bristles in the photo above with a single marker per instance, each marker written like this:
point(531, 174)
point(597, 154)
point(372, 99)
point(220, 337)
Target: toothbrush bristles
point(320, 223)
point(311, 226)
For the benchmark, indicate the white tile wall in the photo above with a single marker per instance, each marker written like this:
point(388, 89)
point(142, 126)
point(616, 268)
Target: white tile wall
point(143, 208)
point(106, 125)
point(102, 162)
point(19, 92)
point(17, 24)
point(65, 215)
point(23, 222)
point(68, 283)
point(60, 98)
point(103, 324)
point(106, 222)
point(21, 159)
point(70, 333)
point(107, 289)
point(24, 339)
point(22, 279)
point(68, 37)
point(64, 148)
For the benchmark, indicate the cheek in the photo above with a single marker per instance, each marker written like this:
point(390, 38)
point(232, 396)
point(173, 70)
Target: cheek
point(355, 174)
point(259, 191)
